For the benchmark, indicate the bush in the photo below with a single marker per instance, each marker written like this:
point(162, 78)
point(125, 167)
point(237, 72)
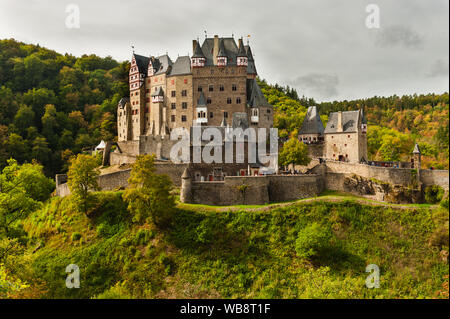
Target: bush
point(311, 240)
point(434, 194)
point(76, 236)
point(444, 203)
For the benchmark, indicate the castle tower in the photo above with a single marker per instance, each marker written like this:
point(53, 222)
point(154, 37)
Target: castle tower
point(416, 158)
point(186, 187)
point(312, 127)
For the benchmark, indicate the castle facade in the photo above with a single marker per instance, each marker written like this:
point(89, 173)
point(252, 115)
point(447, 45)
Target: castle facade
point(215, 87)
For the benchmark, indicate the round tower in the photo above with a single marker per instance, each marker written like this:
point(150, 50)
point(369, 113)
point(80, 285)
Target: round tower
point(186, 187)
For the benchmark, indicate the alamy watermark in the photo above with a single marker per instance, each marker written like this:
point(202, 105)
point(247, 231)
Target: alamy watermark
point(73, 279)
point(210, 143)
point(373, 280)
point(373, 19)
point(73, 18)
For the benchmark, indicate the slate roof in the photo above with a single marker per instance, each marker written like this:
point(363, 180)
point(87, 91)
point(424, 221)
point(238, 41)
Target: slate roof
point(123, 101)
point(198, 53)
point(201, 100)
point(181, 66)
point(312, 124)
point(251, 69)
point(164, 64)
point(416, 149)
point(350, 120)
point(241, 52)
point(160, 92)
point(255, 96)
point(141, 62)
point(222, 52)
point(230, 50)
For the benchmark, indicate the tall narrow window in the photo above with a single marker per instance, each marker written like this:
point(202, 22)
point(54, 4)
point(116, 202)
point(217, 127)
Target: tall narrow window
point(234, 87)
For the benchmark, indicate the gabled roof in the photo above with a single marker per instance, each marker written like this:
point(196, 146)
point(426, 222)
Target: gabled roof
point(350, 120)
point(164, 64)
point(312, 124)
point(201, 100)
point(123, 101)
point(416, 149)
point(255, 96)
point(181, 66)
point(141, 62)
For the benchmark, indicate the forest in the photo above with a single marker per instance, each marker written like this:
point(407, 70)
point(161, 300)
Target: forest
point(52, 106)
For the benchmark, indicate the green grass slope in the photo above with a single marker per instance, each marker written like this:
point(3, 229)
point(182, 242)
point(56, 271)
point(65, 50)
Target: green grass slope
point(237, 253)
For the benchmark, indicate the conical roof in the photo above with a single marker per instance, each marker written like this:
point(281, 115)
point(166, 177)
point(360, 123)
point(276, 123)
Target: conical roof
point(201, 100)
point(222, 52)
point(198, 53)
point(241, 51)
point(160, 92)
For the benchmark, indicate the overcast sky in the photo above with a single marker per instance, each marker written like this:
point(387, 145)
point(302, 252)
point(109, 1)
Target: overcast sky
point(321, 47)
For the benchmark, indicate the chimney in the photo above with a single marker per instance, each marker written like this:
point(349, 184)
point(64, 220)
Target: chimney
point(340, 127)
point(194, 44)
point(216, 48)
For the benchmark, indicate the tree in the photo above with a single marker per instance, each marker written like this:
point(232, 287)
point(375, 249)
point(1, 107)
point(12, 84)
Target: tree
point(294, 152)
point(148, 195)
point(22, 189)
point(82, 179)
point(24, 119)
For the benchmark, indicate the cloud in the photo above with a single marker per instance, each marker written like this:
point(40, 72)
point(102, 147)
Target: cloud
point(318, 85)
point(399, 35)
point(438, 68)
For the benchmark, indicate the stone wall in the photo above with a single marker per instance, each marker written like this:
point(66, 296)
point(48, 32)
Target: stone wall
point(401, 176)
point(258, 189)
point(121, 158)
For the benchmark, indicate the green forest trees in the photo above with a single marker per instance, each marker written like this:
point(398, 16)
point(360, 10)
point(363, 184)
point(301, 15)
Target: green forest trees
point(293, 152)
point(22, 189)
point(82, 180)
point(148, 195)
point(53, 104)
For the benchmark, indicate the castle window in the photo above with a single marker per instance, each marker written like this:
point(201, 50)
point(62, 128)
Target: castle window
point(238, 100)
point(221, 87)
point(173, 82)
point(332, 136)
point(184, 105)
point(345, 144)
point(211, 88)
point(348, 136)
point(225, 114)
point(229, 100)
point(173, 93)
point(137, 93)
point(172, 118)
point(184, 93)
point(234, 87)
point(334, 155)
point(185, 81)
point(173, 106)
point(183, 118)
point(268, 111)
point(199, 89)
point(211, 114)
point(208, 101)
point(148, 90)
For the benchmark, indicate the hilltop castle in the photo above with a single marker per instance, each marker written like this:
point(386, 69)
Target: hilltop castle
point(344, 138)
point(214, 87)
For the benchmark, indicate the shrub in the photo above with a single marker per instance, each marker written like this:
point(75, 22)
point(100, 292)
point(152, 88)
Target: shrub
point(444, 203)
point(311, 240)
point(76, 236)
point(434, 194)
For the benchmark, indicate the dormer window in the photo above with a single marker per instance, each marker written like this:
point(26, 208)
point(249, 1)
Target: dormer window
point(198, 62)
point(242, 61)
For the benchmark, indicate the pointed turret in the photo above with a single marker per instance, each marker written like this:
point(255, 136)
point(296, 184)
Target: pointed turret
point(416, 149)
point(242, 59)
point(198, 60)
point(222, 55)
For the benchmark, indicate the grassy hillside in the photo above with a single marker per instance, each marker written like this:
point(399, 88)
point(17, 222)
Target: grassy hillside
point(234, 254)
